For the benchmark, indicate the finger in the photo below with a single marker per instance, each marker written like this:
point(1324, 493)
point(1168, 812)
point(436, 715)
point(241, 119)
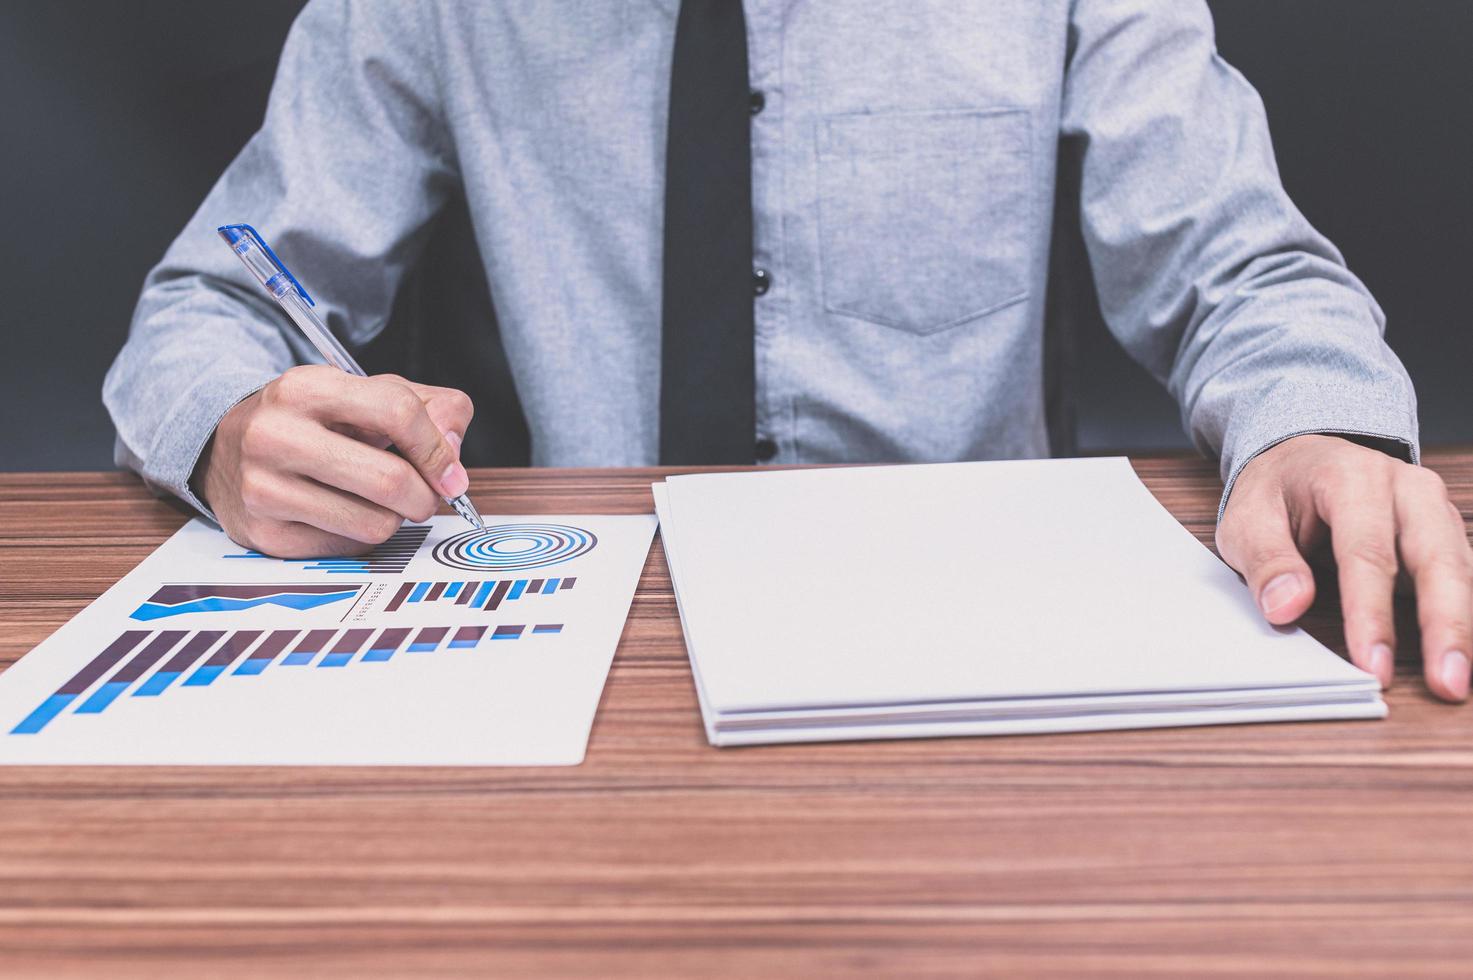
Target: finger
point(353, 432)
point(1256, 539)
point(291, 540)
point(1363, 537)
point(379, 477)
point(449, 408)
point(288, 499)
point(1434, 545)
point(393, 409)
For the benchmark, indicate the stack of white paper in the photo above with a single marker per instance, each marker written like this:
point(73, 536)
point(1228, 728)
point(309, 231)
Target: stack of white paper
point(971, 599)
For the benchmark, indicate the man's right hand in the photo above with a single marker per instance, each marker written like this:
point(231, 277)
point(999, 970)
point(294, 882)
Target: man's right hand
point(301, 468)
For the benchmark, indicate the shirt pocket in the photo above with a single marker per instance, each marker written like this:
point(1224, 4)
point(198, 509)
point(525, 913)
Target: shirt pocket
point(923, 216)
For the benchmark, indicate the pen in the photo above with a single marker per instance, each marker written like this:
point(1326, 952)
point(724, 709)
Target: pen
point(276, 279)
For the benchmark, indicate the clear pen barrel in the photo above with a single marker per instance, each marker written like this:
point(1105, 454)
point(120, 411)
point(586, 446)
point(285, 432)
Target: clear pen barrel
point(260, 264)
point(288, 293)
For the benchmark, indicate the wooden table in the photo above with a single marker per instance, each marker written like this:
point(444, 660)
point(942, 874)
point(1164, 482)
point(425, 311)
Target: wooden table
point(1320, 848)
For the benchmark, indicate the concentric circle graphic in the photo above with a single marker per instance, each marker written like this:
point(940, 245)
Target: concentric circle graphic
point(513, 547)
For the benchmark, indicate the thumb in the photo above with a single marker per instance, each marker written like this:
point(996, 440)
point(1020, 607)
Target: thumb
point(1256, 540)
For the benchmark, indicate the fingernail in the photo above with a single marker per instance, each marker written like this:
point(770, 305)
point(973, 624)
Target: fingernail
point(453, 438)
point(1455, 674)
point(454, 481)
point(1383, 663)
point(1278, 593)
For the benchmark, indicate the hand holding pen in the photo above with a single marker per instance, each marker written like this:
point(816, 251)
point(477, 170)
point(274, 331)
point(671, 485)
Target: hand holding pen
point(302, 468)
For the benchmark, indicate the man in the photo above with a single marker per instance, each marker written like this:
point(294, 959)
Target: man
point(797, 232)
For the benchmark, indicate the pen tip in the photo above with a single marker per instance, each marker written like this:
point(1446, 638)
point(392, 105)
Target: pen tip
point(463, 506)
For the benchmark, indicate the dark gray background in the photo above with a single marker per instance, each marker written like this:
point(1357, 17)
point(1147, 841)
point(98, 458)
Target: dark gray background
point(117, 118)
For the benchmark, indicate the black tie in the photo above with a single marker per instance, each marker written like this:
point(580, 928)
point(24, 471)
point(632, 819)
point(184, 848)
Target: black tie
point(707, 364)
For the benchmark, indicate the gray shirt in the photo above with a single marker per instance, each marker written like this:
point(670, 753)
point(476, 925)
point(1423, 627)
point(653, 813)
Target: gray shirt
point(903, 178)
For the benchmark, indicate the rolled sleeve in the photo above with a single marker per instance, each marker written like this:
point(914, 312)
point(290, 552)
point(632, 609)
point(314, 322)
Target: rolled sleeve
point(1297, 411)
point(168, 463)
point(349, 168)
point(1206, 272)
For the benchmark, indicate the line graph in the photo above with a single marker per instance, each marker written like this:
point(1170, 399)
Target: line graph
point(180, 600)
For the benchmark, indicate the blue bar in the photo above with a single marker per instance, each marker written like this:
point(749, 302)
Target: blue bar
point(479, 598)
point(462, 644)
point(336, 660)
point(157, 684)
point(378, 654)
point(454, 589)
point(548, 628)
point(49, 709)
point(549, 586)
point(204, 676)
point(102, 697)
point(298, 657)
point(251, 666)
point(516, 589)
point(422, 647)
point(419, 592)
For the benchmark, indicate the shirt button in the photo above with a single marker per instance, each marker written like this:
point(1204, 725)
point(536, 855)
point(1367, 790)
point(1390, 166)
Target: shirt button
point(765, 449)
point(756, 102)
point(761, 282)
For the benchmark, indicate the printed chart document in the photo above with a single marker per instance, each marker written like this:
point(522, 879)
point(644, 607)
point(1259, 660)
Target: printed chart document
point(971, 599)
point(443, 646)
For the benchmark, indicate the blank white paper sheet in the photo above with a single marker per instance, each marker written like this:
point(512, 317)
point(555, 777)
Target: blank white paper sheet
point(971, 598)
point(442, 646)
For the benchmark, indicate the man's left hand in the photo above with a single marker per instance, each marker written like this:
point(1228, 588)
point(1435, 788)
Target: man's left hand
point(1380, 515)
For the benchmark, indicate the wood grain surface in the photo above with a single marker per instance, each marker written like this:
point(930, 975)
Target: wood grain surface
point(1319, 849)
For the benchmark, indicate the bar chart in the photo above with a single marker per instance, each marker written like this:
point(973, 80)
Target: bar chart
point(389, 558)
point(487, 595)
point(198, 659)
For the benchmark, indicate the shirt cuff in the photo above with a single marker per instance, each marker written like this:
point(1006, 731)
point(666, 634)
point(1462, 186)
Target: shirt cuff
point(1293, 411)
point(188, 427)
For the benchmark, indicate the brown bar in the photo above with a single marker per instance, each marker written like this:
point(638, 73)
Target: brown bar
point(468, 634)
point(399, 597)
point(232, 648)
point(497, 594)
point(435, 591)
point(352, 641)
point(465, 593)
point(193, 650)
point(534, 587)
point(567, 583)
point(103, 662)
point(148, 656)
point(272, 645)
point(391, 639)
point(431, 634)
point(314, 641)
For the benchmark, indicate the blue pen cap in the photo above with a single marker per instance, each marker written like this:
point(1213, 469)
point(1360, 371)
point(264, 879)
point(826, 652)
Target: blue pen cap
point(269, 271)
